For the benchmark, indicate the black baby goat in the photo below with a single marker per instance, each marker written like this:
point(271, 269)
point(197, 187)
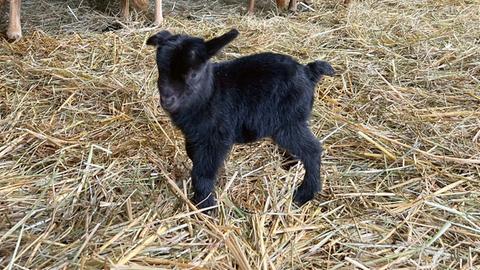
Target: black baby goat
point(218, 104)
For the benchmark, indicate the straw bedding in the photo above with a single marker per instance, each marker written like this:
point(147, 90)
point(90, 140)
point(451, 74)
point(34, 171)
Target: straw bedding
point(93, 175)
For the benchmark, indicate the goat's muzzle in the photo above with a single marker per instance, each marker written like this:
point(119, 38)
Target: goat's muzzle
point(168, 103)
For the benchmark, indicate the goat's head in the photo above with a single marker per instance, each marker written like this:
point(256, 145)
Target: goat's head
point(183, 69)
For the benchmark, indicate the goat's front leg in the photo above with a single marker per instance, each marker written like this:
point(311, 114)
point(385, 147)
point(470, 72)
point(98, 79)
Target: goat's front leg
point(158, 12)
point(281, 4)
point(300, 142)
point(251, 7)
point(125, 8)
point(14, 25)
point(292, 6)
point(190, 148)
point(207, 159)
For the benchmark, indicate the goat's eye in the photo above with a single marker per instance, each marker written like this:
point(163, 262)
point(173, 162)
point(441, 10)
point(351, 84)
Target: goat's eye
point(193, 75)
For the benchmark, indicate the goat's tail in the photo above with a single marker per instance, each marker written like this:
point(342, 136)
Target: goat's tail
point(317, 69)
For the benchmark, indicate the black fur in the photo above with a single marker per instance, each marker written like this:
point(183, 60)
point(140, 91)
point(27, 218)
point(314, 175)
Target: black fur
point(218, 104)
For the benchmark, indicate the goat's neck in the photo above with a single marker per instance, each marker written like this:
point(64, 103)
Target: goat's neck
point(198, 108)
point(205, 89)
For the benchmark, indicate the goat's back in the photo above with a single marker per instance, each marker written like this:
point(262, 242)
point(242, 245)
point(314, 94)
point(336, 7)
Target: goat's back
point(263, 92)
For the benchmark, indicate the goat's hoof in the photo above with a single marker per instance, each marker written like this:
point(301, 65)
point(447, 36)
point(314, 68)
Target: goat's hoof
point(158, 22)
point(292, 9)
point(14, 34)
point(301, 196)
point(250, 13)
point(204, 202)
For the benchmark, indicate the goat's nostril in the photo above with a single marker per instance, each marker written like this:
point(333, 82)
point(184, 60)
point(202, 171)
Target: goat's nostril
point(167, 101)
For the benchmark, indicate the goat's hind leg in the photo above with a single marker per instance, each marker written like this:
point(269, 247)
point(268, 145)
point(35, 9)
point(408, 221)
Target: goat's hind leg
point(300, 142)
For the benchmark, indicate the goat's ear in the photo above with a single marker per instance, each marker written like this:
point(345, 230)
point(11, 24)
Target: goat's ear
point(214, 45)
point(158, 39)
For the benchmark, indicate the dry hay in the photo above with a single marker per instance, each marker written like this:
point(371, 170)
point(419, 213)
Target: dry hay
point(88, 161)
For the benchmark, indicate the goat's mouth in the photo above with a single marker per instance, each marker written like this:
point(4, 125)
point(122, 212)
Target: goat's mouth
point(169, 104)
